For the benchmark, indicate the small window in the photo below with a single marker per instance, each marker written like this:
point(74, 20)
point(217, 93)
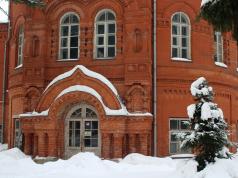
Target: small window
point(105, 35)
point(20, 47)
point(177, 126)
point(180, 37)
point(218, 47)
point(18, 134)
point(69, 37)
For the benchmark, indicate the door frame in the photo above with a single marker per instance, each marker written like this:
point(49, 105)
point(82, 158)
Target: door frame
point(70, 151)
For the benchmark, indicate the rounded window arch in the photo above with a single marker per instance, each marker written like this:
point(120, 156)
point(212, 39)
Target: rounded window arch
point(180, 36)
point(69, 37)
point(105, 35)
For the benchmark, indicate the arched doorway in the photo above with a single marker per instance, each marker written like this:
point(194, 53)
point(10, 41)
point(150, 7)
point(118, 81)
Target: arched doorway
point(82, 131)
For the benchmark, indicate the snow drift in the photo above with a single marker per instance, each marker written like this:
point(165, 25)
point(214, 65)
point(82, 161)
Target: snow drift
point(14, 164)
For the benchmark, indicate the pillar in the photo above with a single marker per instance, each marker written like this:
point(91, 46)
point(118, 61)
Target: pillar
point(41, 144)
point(106, 142)
point(35, 144)
point(117, 145)
point(27, 143)
point(143, 144)
point(52, 145)
point(132, 143)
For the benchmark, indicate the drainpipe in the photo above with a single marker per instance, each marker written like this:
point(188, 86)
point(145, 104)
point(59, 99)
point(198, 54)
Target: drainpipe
point(155, 76)
point(5, 73)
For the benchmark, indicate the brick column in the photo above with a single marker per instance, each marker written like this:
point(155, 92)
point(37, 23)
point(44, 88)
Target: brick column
point(117, 145)
point(41, 144)
point(52, 145)
point(106, 145)
point(132, 143)
point(27, 143)
point(144, 144)
point(35, 144)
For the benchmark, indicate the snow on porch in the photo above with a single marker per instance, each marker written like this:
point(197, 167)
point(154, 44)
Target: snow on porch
point(82, 88)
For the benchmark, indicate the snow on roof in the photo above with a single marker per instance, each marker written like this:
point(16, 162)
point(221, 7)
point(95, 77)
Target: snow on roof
point(87, 72)
point(110, 112)
point(121, 112)
point(34, 113)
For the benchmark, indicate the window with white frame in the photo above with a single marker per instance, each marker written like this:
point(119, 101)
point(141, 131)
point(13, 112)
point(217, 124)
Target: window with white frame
point(218, 47)
point(105, 35)
point(180, 36)
point(20, 46)
point(18, 135)
point(69, 37)
point(177, 126)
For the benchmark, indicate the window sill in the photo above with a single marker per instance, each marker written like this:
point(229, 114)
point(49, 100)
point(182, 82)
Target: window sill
point(181, 59)
point(66, 60)
point(221, 64)
point(107, 58)
point(19, 66)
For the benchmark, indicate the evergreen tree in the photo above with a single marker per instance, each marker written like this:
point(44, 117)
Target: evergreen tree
point(209, 136)
point(222, 14)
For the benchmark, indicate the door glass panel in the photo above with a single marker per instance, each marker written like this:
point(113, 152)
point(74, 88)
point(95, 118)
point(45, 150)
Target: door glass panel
point(87, 125)
point(94, 142)
point(74, 133)
point(87, 143)
point(95, 124)
point(91, 134)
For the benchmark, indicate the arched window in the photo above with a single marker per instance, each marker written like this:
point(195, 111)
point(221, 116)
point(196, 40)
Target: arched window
point(69, 37)
point(20, 46)
point(105, 35)
point(180, 36)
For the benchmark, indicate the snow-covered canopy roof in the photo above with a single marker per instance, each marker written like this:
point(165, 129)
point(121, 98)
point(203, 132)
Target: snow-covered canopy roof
point(88, 73)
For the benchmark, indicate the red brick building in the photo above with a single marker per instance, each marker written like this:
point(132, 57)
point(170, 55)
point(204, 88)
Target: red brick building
point(3, 39)
point(81, 75)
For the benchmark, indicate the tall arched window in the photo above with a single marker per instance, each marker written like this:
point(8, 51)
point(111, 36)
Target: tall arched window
point(105, 35)
point(69, 37)
point(180, 36)
point(218, 46)
point(20, 46)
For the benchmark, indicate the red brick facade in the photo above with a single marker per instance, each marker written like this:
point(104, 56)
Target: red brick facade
point(130, 72)
point(3, 39)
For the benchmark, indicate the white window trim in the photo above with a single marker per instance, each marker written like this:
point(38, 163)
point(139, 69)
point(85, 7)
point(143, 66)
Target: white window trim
point(105, 46)
point(21, 47)
point(220, 54)
point(180, 37)
point(176, 131)
point(68, 40)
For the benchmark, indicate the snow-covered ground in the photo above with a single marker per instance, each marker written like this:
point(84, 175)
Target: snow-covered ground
point(14, 164)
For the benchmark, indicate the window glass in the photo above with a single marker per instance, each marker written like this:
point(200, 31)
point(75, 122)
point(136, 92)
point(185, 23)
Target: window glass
point(105, 35)
point(69, 37)
point(18, 134)
point(180, 36)
point(20, 46)
point(218, 47)
point(177, 126)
